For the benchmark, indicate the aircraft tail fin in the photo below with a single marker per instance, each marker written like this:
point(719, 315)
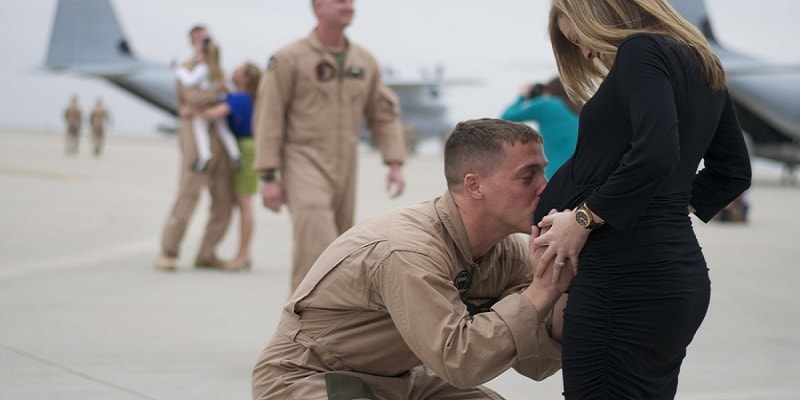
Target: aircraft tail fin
point(695, 12)
point(87, 37)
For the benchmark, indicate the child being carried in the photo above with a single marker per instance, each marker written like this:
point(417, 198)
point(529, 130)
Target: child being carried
point(206, 75)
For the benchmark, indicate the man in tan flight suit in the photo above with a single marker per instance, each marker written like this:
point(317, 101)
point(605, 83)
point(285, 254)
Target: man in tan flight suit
point(433, 300)
point(216, 177)
point(311, 102)
point(98, 119)
point(72, 115)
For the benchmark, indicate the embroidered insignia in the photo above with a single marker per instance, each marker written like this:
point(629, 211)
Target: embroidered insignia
point(325, 71)
point(355, 72)
point(462, 282)
point(476, 305)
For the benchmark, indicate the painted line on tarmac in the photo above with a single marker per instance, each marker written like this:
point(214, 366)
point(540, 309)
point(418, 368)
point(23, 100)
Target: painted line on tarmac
point(47, 175)
point(87, 260)
point(75, 372)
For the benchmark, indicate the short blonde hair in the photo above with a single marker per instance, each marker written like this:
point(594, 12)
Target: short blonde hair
point(253, 75)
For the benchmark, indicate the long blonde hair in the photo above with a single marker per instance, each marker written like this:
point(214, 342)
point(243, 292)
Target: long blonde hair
point(211, 54)
point(603, 24)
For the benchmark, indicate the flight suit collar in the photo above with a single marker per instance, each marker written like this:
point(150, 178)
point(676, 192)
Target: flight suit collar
point(317, 45)
point(451, 219)
point(448, 213)
point(331, 66)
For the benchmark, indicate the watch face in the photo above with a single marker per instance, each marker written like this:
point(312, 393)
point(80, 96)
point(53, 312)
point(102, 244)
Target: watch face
point(582, 217)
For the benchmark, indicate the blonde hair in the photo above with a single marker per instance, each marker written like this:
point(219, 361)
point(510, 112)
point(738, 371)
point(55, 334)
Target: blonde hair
point(555, 88)
point(253, 75)
point(211, 54)
point(603, 24)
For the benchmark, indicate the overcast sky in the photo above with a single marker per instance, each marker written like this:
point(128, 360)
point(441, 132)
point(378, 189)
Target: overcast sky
point(502, 43)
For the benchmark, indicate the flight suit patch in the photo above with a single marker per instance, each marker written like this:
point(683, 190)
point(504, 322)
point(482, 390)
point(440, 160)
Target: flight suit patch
point(346, 387)
point(325, 71)
point(355, 72)
point(462, 282)
point(476, 305)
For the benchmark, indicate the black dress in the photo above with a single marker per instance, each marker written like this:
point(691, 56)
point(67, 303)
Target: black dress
point(642, 287)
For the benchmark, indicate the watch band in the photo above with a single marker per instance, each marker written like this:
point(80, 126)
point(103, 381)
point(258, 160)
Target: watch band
point(268, 176)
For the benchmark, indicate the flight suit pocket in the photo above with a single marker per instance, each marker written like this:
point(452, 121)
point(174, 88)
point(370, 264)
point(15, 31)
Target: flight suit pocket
point(311, 111)
point(311, 96)
point(356, 86)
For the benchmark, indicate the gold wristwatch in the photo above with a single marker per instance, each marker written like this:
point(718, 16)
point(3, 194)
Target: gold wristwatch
point(584, 218)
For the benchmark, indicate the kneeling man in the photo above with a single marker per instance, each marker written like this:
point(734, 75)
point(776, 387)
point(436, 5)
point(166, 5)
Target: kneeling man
point(433, 300)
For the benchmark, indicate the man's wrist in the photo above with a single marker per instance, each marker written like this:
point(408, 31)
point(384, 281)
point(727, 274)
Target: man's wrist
point(542, 299)
point(269, 175)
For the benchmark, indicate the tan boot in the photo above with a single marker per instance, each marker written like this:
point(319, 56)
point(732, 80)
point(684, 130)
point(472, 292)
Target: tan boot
point(165, 262)
point(213, 263)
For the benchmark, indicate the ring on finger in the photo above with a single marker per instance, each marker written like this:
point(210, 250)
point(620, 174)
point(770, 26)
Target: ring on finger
point(561, 263)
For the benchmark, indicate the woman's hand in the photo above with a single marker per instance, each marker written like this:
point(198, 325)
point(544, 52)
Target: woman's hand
point(564, 239)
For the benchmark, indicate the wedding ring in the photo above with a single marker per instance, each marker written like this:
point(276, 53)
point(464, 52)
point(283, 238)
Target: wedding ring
point(561, 263)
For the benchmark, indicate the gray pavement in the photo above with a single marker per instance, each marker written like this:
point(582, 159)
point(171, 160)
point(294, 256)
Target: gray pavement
point(84, 315)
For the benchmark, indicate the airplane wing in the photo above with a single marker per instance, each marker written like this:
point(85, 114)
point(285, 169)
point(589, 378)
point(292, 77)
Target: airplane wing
point(766, 95)
point(102, 70)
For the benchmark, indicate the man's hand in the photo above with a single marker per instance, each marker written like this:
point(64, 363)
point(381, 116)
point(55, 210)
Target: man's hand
point(395, 183)
point(187, 111)
point(526, 89)
point(272, 195)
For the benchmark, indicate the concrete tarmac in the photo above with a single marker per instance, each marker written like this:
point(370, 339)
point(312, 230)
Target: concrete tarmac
point(85, 315)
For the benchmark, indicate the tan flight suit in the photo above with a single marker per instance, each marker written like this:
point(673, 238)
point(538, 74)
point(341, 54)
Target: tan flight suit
point(98, 119)
point(216, 176)
point(306, 124)
point(381, 304)
point(72, 115)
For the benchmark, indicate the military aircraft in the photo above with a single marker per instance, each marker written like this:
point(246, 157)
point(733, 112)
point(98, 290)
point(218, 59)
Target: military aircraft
point(87, 39)
point(766, 96)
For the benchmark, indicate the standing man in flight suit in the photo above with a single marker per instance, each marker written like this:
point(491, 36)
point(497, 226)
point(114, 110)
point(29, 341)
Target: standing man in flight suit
point(313, 97)
point(99, 118)
point(217, 177)
point(432, 300)
point(72, 116)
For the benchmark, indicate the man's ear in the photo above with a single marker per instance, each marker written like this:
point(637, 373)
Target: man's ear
point(472, 186)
